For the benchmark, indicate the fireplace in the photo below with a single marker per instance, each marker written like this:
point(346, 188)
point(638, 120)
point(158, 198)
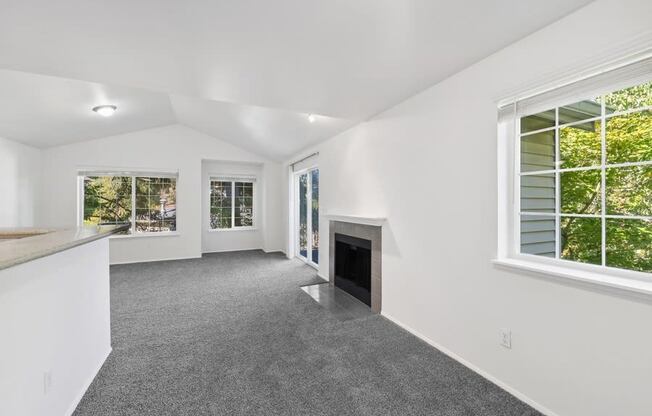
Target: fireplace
point(354, 259)
point(353, 266)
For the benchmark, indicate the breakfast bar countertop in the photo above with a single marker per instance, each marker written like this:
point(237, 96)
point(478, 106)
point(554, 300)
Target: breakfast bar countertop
point(20, 245)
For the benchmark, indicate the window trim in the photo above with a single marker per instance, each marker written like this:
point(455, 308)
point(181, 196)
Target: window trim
point(133, 174)
point(508, 255)
point(233, 179)
point(619, 281)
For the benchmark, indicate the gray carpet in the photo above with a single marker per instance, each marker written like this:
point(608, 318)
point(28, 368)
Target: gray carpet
point(233, 334)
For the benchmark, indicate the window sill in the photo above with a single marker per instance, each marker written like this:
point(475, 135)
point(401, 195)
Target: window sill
point(145, 235)
point(606, 281)
point(223, 230)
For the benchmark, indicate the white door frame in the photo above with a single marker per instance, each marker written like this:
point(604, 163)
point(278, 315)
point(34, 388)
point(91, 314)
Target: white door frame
point(297, 222)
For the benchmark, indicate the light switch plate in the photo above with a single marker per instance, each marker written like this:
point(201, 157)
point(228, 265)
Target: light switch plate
point(506, 338)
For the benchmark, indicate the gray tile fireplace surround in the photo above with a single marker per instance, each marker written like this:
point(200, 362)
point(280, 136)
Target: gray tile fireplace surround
point(367, 232)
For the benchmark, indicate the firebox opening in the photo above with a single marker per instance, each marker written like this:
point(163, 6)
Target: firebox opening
point(353, 266)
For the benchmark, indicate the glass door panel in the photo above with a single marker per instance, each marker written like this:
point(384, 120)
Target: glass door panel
point(303, 215)
point(314, 243)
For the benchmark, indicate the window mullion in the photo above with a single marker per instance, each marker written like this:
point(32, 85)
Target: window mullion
point(557, 189)
point(232, 204)
point(81, 200)
point(516, 231)
point(603, 175)
point(133, 204)
point(308, 215)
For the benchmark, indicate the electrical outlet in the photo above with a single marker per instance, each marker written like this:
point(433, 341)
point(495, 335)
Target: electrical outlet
point(506, 338)
point(47, 382)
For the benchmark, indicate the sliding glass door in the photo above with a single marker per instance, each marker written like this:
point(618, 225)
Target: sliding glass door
point(307, 208)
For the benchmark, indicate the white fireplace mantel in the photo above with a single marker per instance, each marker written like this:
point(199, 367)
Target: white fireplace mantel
point(357, 219)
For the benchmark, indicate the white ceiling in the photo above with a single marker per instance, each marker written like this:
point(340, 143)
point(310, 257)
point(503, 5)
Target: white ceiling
point(338, 58)
point(250, 126)
point(47, 111)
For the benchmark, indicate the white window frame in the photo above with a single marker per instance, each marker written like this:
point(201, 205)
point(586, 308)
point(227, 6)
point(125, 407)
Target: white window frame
point(133, 175)
point(233, 180)
point(509, 205)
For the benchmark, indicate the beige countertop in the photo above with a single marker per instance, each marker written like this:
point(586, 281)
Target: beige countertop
point(20, 245)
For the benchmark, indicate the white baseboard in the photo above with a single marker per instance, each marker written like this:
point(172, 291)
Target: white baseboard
point(87, 384)
point(153, 260)
point(230, 250)
point(323, 277)
point(196, 257)
point(514, 392)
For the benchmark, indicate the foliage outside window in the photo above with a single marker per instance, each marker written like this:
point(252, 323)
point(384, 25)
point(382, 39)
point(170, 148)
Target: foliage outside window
point(308, 197)
point(586, 181)
point(231, 204)
point(147, 203)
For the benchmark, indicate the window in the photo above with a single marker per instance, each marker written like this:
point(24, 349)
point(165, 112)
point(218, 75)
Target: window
point(585, 180)
point(107, 200)
point(156, 204)
point(231, 204)
point(148, 203)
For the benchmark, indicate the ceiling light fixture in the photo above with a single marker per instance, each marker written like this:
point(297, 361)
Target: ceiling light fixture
point(311, 118)
point(105, 110)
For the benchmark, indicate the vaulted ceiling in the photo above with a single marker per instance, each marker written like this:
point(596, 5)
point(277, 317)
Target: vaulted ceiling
point(246, 71)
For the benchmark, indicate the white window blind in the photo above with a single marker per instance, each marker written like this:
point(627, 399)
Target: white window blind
point(592, 86)
point(233, 178)
point(306, 162)
point(126, 172)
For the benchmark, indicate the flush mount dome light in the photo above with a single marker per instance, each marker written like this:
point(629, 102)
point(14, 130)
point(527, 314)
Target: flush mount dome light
point(105, 110)
point(311, 118)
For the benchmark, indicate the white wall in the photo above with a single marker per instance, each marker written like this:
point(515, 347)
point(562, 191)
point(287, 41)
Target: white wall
point(429, 166)
point(174, 147)
point(233, 239)
point(56, 320)
point(20, 173)
point(274, 198)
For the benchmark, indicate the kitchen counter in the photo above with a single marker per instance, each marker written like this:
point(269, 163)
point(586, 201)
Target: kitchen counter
point(20, 245)
point(55, 314)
